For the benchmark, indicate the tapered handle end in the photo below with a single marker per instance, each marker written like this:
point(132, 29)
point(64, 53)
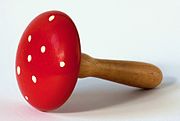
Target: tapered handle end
point(136, 74)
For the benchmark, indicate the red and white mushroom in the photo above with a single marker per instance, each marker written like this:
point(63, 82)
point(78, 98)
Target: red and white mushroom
point(49, 61)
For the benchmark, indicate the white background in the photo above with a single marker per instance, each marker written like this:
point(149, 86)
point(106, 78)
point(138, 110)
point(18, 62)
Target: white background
point(141, 30)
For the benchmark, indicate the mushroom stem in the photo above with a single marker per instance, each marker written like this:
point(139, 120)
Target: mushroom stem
point(136, 74)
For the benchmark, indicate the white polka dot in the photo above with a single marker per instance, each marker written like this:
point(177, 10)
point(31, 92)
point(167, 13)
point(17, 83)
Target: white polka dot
point(34, 79)
point(62, 64)
point(18, 70)
point(29, 58)
point(29, 38)
point(43, 49)
point(26, 97)
point(51, 17)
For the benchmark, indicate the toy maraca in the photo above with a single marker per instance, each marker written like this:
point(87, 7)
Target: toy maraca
point(49, 61)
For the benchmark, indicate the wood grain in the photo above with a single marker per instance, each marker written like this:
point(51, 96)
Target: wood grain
point(136, 74)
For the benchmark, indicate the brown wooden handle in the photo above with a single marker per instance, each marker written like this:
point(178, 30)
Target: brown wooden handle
point(136, 74)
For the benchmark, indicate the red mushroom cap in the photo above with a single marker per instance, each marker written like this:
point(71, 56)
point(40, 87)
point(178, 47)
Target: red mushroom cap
point(48, 60)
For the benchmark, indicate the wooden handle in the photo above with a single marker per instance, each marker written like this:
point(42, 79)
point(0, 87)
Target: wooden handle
point(136, 74)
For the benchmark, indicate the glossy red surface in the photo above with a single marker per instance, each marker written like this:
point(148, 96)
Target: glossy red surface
point(48, 60)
